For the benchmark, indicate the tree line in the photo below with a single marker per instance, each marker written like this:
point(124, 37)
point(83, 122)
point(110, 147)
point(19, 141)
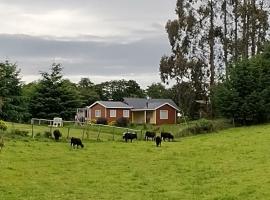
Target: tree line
point(53, 95)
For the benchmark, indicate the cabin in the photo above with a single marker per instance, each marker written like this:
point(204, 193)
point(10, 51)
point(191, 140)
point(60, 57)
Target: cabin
point(137, 110)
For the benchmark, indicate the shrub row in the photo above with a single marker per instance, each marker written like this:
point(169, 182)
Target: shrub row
point(121, 122)
point(204, 126)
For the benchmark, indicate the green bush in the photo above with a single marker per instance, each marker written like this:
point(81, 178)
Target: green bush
point(102, 120)
point(3, 125)
point(18, 132)
point(201, 126)
point(122, 122)
point(47, 134)
point(38, 134)
point(204, 126)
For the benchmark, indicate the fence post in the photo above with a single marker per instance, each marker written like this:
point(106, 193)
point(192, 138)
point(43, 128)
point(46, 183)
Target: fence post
point(113, 133)
point(83, 133)
point(68, 133)
point(141, 135)
point(99, 132)
point(87, 133)
point(32, 130)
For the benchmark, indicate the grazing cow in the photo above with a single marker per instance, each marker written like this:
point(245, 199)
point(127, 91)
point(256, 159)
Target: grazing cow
point(77, 142)
point(149, 134)
point(166, 135)
point(129, 136)
point(2, 144)
point(57, 134)
point(158, 141)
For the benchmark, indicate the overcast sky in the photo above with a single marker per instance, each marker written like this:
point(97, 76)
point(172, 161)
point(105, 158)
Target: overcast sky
point(99, 39)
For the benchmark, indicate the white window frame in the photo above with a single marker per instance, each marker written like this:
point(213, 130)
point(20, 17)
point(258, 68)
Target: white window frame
point(97, 113)
point(162, 113)
point(112, 113)
point(126, 113)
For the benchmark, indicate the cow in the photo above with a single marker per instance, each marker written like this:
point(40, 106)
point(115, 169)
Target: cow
point(129, 136)
point(57, 134)
point(149, 134)
point(158, 141)
point(166, 135)
point(77, 142)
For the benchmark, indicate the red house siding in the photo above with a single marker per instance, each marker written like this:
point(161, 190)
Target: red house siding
point(119, 113)
point(97, 107)
point(171, 115)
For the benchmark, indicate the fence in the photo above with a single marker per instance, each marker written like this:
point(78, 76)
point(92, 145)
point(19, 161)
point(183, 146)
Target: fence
point(70, 129)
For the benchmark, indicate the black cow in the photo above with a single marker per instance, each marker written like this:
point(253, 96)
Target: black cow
point(129, 136)
point(166, 135)
point(158, 141)
point(57, 134)
point(77, 142)
point(149, 134)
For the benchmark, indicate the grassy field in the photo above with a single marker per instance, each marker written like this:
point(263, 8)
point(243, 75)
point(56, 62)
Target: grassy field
point(233, 164)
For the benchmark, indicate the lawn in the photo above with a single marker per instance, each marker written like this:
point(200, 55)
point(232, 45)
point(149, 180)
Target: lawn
point(231, 164)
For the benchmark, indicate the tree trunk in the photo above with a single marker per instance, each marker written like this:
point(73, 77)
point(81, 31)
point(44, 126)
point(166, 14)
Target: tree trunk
point(211, 45)
point(236, 54)
point(253, 27)
point(225, 47)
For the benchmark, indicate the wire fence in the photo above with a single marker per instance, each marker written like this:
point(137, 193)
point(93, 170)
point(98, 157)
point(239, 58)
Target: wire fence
point(68, 129)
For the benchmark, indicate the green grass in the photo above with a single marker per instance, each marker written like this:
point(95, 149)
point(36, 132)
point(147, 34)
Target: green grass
point(233, 164)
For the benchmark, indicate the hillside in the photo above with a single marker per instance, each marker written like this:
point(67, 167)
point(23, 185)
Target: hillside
point(231, 164)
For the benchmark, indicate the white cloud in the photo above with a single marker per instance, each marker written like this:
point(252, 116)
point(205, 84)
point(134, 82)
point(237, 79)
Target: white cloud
point(102, 39)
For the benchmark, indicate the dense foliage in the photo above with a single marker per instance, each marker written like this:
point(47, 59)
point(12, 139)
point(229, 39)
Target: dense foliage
point(11, 101)
point(54, 97)
point(122, 122)
point(88, 93)
point(102, 120)
point(157, 91)
point(3, 126)
point(206, 38)
point(245, 96)
point(118, 89)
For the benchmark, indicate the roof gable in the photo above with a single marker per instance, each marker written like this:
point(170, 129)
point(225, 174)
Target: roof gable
point(112, 104)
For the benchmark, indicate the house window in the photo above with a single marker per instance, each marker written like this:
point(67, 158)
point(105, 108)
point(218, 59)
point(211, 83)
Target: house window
point(97, 113)
point(126, 113)
point(163, 114)
point(112, 113)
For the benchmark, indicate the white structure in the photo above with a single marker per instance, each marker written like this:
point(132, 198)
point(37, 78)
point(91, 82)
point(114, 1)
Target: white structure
point(57, 121)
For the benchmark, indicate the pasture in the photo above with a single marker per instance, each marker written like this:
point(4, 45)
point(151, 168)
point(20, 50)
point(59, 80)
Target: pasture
point(231, 164)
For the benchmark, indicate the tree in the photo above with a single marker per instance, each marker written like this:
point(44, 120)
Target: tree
point(245, 96)
point(157, 91)
point(54, 97)
point(87, 91)
point(198, 38)
point(118, 89)
point(11, 101)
